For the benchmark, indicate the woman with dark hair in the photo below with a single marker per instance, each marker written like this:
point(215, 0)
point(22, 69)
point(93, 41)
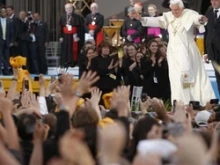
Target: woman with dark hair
point(151, 68)
point(163, 74)
point(84, 64)
point(86, 119)
point(141, 129)
point(82, 56)
point(129, 68)
point(106, 67)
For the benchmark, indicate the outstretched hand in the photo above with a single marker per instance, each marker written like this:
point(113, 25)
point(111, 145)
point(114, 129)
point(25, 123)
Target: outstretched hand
point(203, 20)
point(86, 81)
point(159, 108)
point(41, 132)
point(120, 100)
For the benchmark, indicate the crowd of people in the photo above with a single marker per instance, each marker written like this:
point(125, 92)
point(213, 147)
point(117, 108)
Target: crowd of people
point(91, 121)
point(141, 65)
point(25, 35)
point(60, 127)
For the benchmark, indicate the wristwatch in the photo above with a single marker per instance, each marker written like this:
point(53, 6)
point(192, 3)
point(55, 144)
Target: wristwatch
point(78, 94)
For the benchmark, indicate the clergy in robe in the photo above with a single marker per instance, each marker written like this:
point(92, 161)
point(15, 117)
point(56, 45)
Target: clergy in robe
point(188, 78)
point(94, 24)
point(132, 28)
point(69, 36)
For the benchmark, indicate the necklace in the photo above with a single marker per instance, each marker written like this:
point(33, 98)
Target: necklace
point(175, 23)
point(175, 26)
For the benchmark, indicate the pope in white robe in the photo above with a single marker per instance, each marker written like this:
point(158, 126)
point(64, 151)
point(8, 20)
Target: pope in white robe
point(188, 78)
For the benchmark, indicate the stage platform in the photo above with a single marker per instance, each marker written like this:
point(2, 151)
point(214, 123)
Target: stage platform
point(75, 71)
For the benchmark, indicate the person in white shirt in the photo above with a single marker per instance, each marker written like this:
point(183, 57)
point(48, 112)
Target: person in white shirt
point(188, 78)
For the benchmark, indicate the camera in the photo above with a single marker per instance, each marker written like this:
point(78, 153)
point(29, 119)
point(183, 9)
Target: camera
point(30, 18)
point(196, 105)
point(144, 97)
point(214, 101)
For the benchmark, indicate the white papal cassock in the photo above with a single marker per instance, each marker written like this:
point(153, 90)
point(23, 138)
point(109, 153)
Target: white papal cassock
point(188, 78)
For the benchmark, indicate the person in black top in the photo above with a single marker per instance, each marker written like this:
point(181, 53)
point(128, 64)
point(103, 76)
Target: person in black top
point(6, 40)
point(12, 17)
point(85, 62)
point(163, 74)
point(128, 67)
point(213, 36)
point(82, 56)
point(106, 68)
point(28, 38)
point(42, 40)
point(21, 33)
point(153, 69)
point(132, 28)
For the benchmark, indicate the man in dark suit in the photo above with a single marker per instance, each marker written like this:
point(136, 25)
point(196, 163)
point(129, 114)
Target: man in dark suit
point(213, 36)
point(10, 12)
point(12, 17)
point(29, 45)
point(20, 29)
point(42, 39)
point(6, 41)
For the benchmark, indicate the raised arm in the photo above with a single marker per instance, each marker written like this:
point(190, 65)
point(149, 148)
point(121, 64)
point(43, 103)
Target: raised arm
point(200, 22)
point(151, 21)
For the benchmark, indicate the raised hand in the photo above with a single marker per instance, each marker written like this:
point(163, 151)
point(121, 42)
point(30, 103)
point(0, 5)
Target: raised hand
point(51, 87)
point(159, 108)
point(34, 101)
point(96, 96)
point(94, 101)
point(86, 81)
point(112, 65)
point(180, 113)
point(66, 88)
point(25, 98)
point(120, 100)
point(58, 99)
point(41, 132)
point(145, 105)
point(6, 105)
point(132, 66)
